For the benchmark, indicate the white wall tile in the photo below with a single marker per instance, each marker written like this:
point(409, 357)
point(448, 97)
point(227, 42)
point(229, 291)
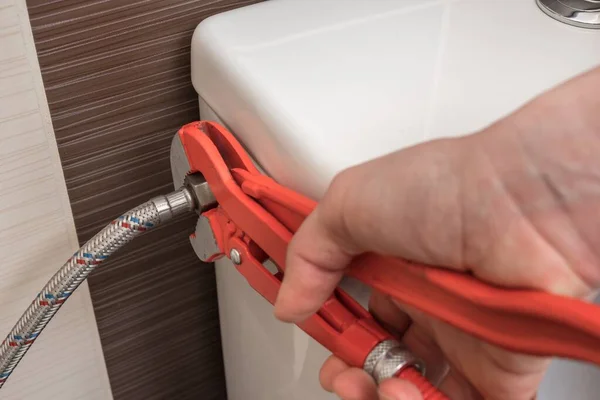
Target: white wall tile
point(15, 77)
point(11, 43)
point(37, 233)
point(8, 17)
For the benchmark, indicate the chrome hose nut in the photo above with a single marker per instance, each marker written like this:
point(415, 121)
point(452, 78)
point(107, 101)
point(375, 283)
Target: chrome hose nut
point(173, 204)
point(389, 358)
point(204, 198)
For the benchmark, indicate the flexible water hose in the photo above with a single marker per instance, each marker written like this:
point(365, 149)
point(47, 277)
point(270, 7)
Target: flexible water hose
point(58, 289)
point(97, 250)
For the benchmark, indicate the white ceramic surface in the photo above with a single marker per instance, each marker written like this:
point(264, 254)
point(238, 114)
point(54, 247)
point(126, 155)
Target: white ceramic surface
point(37, 234)
point(312, 87)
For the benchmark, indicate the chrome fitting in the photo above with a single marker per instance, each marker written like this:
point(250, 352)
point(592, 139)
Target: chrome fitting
point(203, 196)
point(580, 13)
point(389, 358)
point(173, 204)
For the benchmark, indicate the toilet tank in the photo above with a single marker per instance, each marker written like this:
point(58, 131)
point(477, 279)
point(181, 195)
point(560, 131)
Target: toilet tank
point(313, 87)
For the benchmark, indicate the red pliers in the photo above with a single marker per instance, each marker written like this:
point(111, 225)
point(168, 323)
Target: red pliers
point(253, 219)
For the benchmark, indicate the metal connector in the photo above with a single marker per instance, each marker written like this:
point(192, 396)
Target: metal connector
point(580, 13)
point(173, 204)
point(204, 198)
point(389, 358)
point(203, 239)
point(195, 194)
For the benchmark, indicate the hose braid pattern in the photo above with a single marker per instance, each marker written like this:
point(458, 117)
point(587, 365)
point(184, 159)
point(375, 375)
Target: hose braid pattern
point(58, 289)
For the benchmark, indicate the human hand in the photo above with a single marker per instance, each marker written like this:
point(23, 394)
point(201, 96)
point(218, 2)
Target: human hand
point(515, 204)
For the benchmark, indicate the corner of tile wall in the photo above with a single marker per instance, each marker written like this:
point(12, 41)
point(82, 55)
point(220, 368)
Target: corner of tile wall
point(37, 230)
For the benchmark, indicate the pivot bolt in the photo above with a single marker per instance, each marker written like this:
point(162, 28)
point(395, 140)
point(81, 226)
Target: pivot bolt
point(235, 256)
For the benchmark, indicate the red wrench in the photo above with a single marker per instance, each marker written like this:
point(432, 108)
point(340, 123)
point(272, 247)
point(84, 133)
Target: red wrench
point(253, 219)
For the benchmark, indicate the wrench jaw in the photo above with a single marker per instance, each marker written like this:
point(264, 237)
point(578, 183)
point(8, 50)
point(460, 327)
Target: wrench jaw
point(203, 240)
point(180, 166)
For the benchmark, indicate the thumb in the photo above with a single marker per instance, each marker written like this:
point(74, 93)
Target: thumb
point(315, 264)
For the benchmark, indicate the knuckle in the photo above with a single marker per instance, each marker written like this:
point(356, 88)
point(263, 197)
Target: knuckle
point(334, 209)
point(340, 182)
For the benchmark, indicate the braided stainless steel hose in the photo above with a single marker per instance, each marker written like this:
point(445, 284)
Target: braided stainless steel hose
point(58, 289)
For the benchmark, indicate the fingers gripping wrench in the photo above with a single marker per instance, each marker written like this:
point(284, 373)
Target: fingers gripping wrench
point(249, 218)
